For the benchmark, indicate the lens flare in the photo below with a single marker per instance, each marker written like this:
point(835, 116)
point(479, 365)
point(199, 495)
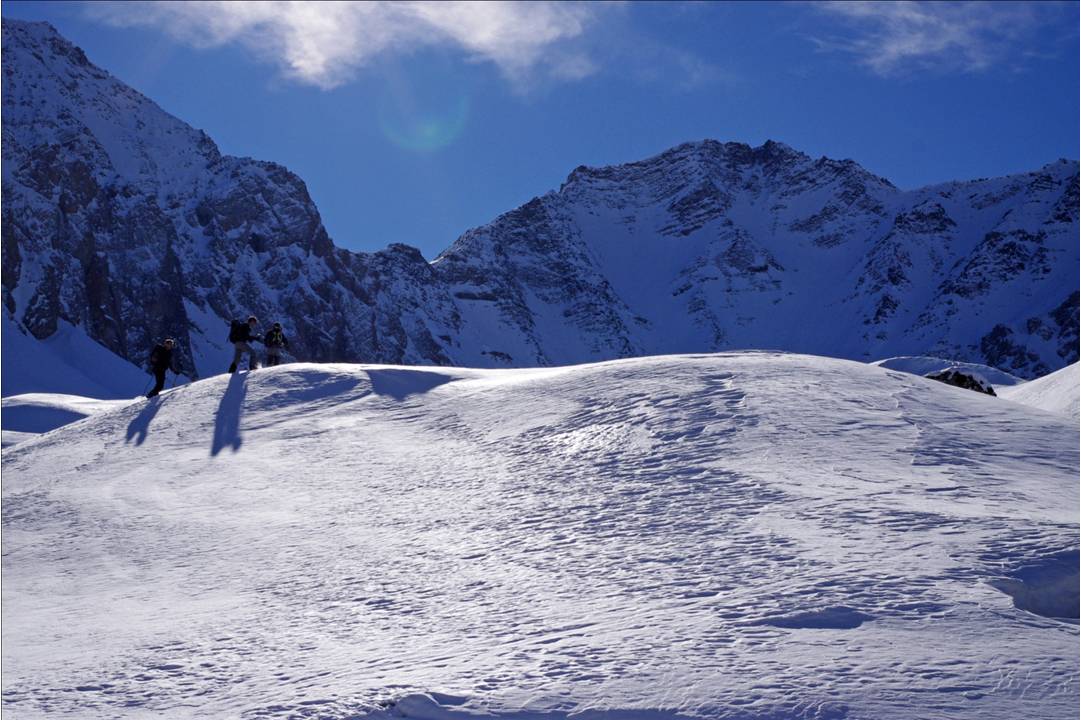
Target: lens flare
point(424, 129)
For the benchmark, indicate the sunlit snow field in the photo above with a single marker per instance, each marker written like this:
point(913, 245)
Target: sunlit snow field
point(744, 535)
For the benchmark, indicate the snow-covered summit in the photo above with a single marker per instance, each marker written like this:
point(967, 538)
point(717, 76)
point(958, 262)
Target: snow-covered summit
point(715, 245)
point(124, 222)
point(700, 160)
point(732, 536)
point(125, 134)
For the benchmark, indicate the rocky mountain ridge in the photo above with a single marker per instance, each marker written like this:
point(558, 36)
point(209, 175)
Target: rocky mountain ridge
point(711, 246)
point(126, 222)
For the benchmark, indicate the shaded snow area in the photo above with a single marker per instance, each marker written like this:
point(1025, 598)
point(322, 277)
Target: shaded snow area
point(68, 362)
point(27, 416)
point(1059, 392)
point(749, 536)
point(921, 365)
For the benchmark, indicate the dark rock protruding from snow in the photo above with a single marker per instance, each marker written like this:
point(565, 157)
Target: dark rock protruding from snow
point(962, 379)
point(129, 224)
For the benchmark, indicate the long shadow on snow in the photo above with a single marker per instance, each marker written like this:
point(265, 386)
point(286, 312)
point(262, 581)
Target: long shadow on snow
point(227, 420)
point(140, 424)
point(400, 384)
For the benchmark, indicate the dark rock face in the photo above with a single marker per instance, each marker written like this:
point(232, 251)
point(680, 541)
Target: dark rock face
point(1004, 352)
point(156, 233)
point(124, 221)
point(961, 379)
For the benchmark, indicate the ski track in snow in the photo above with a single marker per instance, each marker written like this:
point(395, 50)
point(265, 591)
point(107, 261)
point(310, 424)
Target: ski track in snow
point(747, 535)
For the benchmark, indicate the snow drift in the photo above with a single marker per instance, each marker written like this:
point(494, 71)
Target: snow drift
point(743, 535)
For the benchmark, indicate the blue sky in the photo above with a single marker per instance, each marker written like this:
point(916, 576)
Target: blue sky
point(413, 123)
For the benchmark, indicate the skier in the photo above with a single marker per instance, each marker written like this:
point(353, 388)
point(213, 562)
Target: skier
point(161, 359)
point(242, 334)
point(274, 341)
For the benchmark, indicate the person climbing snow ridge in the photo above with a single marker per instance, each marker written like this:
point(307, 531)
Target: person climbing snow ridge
point(242, 334)
point(274, 341)
point(161, 360)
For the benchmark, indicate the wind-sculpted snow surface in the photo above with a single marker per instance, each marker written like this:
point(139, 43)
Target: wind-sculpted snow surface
point(749, 535)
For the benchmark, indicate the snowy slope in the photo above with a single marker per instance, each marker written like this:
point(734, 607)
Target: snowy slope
point(67, 362)
point(50, 383)
point(744, 535)
point(1059, 392)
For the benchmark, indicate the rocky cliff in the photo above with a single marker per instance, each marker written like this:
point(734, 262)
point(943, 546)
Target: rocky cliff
point(125, 221)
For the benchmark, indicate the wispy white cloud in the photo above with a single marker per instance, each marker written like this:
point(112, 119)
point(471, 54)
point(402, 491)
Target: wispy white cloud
point(895, 37)
point(326, 43)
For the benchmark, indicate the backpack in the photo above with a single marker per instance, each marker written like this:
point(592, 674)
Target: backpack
point(238, 331)
point(160, 356)
point(274, 338)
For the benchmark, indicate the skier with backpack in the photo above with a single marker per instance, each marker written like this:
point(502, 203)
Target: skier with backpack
point(242, 334)
point(161, 360)
point(274, 341)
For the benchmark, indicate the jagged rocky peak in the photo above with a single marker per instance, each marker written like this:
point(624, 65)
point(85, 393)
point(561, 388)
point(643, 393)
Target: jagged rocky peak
point(714, 245)
point(708, 165)
point(65, 117)
point(41, 35)
point(705, 155)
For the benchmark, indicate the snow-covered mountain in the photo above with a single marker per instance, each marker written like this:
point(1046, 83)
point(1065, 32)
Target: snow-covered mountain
point(740, 536)
point(125, 222)
point(711, 246)
point(122, 220)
